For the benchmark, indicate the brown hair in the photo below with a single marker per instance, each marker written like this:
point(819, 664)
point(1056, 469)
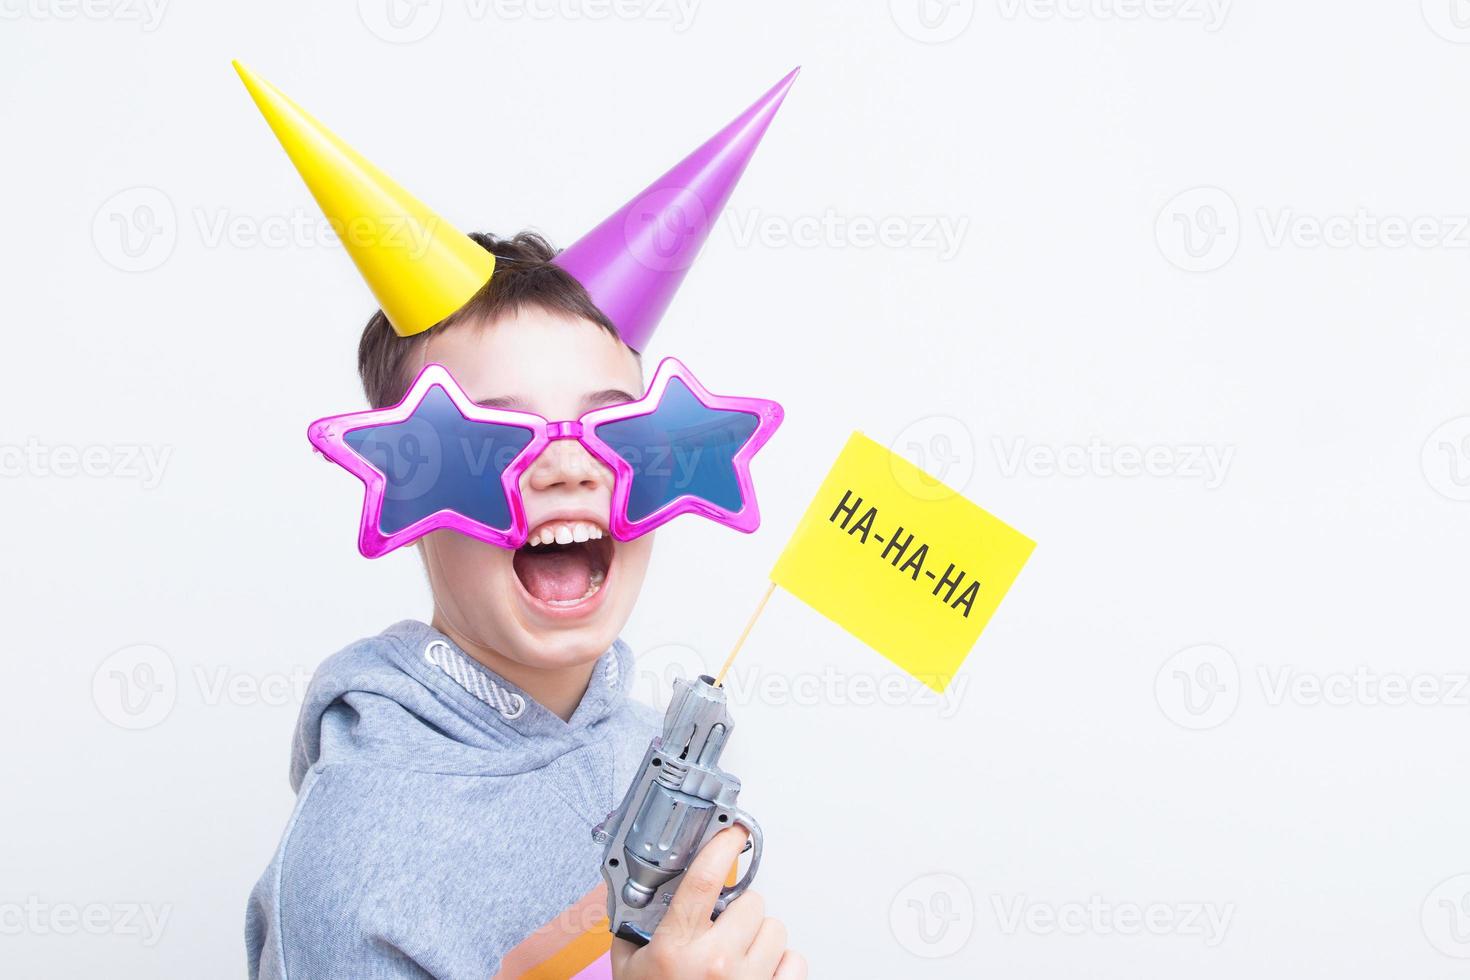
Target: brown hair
point(524, 276)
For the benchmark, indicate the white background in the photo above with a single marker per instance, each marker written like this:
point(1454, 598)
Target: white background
point(1119, 739)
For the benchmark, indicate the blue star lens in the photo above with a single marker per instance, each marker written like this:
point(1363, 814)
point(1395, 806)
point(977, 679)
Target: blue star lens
point(436, 460)
point(681, 449)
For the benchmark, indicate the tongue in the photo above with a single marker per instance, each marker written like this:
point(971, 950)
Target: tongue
point(554, 576)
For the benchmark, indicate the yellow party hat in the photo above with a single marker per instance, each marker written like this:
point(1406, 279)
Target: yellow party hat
point(418, 266)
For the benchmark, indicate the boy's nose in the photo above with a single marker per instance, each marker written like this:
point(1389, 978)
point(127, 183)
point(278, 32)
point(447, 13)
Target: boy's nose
point(566, 464)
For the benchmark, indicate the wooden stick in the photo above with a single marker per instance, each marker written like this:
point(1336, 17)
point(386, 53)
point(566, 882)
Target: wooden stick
point(720, 677)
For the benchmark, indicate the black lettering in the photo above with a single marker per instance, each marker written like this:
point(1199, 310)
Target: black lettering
point(951, 582)
point(845, 510)
point(967, 599)
point(916, 562)
point(893, 543)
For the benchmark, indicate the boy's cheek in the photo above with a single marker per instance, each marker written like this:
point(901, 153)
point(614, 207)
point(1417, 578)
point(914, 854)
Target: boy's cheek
point(464, 573)
point(632, 565)
point(467, 563)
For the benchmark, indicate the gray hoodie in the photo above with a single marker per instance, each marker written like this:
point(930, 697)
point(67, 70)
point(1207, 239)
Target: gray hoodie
point(441, 815)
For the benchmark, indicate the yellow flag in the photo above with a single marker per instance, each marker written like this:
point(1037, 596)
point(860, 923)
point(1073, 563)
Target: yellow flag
point(900, 561)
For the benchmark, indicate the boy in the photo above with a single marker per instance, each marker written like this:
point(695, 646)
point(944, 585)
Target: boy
point(448, 773)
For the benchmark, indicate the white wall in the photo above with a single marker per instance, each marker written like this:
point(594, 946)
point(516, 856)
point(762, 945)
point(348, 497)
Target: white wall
point(1052, 143)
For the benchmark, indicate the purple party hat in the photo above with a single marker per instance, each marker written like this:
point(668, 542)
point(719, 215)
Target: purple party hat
point(633, 262)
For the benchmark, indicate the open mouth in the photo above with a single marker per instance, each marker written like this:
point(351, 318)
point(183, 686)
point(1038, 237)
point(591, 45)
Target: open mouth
point(564, 563)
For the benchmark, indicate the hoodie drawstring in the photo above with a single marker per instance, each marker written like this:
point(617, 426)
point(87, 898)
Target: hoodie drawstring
point(470, 677)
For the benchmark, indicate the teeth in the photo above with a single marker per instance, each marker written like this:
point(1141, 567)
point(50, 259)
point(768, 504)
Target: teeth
point(564, 532)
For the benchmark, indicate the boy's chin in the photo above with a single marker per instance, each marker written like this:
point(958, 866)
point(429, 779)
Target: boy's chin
point(561, 649)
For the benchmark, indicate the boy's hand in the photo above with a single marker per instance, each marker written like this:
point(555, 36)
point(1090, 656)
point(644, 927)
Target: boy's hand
point(742, 944)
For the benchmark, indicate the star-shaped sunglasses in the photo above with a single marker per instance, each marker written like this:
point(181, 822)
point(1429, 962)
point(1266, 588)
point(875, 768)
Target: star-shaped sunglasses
point(438, 460)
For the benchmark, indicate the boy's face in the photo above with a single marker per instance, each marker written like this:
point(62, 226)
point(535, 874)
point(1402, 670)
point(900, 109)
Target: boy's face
point(549, 605)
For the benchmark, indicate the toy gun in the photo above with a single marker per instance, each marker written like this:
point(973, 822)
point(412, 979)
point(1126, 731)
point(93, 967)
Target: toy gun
point(678, 801)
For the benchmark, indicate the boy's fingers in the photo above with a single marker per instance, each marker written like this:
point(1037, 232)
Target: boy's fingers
point(621, 950)
point(766, 949)
point(694, 900)
point(793, 967)
point(738, 925)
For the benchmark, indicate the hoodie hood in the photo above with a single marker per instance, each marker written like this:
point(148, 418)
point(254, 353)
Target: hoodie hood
point(410, 698)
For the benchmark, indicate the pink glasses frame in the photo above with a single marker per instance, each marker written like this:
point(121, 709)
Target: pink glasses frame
point(328, 435)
